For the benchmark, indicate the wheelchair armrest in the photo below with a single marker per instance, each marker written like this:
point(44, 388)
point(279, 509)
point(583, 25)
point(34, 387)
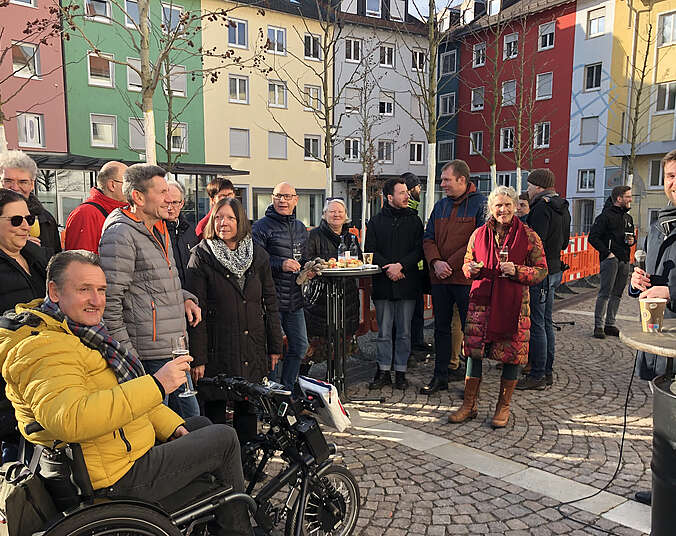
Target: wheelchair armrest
point(79, 471)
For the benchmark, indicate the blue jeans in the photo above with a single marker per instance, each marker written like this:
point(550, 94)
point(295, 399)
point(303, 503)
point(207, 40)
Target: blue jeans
point(187, 406)
point(398, 313)
point(443, 299)
point(542, 338)
point(293, 324)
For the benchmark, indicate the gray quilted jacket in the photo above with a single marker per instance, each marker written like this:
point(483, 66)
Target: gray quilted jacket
point(144, 298)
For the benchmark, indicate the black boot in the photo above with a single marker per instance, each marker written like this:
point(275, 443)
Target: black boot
point(381, 379)
point(400, 381)
point(644, 497)
point(435, 385)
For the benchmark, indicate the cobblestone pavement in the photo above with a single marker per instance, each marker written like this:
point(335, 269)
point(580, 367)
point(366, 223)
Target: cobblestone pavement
point(572, 430)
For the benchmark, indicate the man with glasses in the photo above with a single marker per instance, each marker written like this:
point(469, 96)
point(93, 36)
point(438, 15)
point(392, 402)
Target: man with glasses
point(279, 233)
point(84, 225)
point(181, 231)
point(219, 188)
point(18, 172)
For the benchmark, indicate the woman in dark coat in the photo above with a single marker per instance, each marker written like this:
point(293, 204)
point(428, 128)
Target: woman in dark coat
point(240, 334)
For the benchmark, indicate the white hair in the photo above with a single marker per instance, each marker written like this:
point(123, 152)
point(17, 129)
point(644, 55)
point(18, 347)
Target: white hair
point(338, 200)
point(178, 185)
point(507, 191)
point(18, 160)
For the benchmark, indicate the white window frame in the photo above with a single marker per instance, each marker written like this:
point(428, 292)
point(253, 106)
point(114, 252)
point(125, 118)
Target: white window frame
point(493, 7)
point(313, 138)
point(248, 142)
point(590, 34)
point(238, 78)
point(30, 3)
point(508, 51)
point(350, 109)
point(101, 83)
point(671, 39)
point(131, 72)
point(418, 149)
point(352, 155)
point(385, 144)
point(539, 134)
point(184, 139)
point(476, 142)
point(278, 84)
point(105, 19)
point(386, 98)
point(139, 122)
point(91, 131)
point(477, 47)
point(504, 179)
point(482, 90)
point(668, 88)
point(21, 119)
point(286, 146)
point(35, 56)
point(545, 26)
point(310, 99)
point(503, 92)
point(182, 72)
point(313, 39)
point(586, 69)
point(391, 49)
point(416, 56)
point(371, 13)
point(594, 142)
point(442, 144)
point(660, 177)
point(237, 23)
point(128, 21)
point(506, 134)
point(277, 31)
point(444, 108)
point(395, 14)
point(587, 173)
point(538, 85)
point(173, 7)
point(454, 67)
point(353, 48)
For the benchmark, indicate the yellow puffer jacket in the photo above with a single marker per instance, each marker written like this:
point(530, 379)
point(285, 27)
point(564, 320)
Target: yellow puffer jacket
point(67, 387)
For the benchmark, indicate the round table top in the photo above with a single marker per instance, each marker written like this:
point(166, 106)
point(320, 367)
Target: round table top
point(663, 343)
point(367, 269)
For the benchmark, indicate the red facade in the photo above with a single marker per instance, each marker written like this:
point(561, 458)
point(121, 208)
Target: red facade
point(538, 100)
point(35, 115)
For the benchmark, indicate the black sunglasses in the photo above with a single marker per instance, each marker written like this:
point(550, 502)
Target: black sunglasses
point(16, 221)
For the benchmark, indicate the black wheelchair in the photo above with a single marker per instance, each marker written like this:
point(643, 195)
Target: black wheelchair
point(310, 495)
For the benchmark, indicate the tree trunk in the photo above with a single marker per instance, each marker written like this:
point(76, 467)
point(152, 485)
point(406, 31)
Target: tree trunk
point(518, 180)
point(147, 83)
point(364, 202)
point(149, 127)
point(3, 139)
point(494, 176)
point(431, 175)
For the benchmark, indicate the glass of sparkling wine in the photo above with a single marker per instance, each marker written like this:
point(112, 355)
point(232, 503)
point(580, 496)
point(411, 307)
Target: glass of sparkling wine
point(179, 347)
point(504, 257)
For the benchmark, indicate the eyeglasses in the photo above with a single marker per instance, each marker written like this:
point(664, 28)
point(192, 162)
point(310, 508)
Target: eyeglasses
point(8, 183)
point(175, 203)
point(285, 197)
point(118, 182)
point(16, 221)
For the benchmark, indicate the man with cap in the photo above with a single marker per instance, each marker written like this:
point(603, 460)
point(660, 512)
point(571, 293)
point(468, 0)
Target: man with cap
point(550, 219)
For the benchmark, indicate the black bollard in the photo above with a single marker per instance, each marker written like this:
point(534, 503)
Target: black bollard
point(663, 465)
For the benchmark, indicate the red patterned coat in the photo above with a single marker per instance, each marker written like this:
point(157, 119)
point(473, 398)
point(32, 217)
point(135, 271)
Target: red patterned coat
point(514, 351)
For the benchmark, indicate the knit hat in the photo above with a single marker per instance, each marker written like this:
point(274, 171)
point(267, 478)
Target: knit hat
point(411, 179)
point(544, 178)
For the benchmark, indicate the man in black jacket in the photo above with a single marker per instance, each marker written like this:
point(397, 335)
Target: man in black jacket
point(550, 219)
point(181, 231)
point(394, 235)
point(280, 234)
point(612, 235)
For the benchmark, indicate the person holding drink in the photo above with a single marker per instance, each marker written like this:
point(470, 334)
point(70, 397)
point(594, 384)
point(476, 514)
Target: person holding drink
point(498, 318)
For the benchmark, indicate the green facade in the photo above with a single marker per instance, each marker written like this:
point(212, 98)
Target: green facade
point(84, 98)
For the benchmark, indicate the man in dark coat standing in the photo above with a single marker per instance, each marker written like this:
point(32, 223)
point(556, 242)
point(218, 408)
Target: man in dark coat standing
point(394, 235)
point(612, 235)
point(181, 231)
point(280, 233)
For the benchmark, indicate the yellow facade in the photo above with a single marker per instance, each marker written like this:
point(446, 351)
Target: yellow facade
point(261, 109)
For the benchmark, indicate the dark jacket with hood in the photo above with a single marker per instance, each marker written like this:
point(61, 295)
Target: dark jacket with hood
point(549, 217)
point(395, 235)
point(277, 234)
point(240, 326)
point(607, 235)
point(183, 239)
point(17, 285)
point(50, 239)
point(323, 242)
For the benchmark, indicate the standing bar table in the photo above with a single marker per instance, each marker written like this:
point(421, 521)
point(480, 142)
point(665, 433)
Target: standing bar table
point(663, 464)
point(335, 319)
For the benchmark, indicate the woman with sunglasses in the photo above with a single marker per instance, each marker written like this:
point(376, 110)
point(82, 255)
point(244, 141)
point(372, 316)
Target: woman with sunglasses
point(22, 263)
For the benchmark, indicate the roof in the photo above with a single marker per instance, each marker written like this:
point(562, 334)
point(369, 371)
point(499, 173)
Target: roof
point(412, 24)
point(300, 8)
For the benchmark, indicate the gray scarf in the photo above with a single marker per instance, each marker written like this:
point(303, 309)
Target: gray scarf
point(236, 261)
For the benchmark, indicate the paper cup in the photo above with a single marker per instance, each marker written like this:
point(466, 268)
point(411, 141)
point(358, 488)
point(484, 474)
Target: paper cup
point(368, 258)
point(652, 314)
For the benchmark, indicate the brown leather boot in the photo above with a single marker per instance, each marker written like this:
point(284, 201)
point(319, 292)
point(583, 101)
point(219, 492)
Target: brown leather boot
point(468, 409)
point(502, 408)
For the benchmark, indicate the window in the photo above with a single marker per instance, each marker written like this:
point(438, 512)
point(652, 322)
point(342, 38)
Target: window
point(589, 130)
point(541, 136)
point(25, 60)
point(312, 151)
point(352, 100)
point(31, 130)
point(656, 177)
point(385, 151)
point(312, 48)
point(313, 99)
point(239, 142)
point(667, 29)
point(666, 96)
point(476, 142)
point(447, 62)
point(98, 10)
point(447, 104)
point(477, 98)
point(546, 36)
point(511, 46)
point(100, 70)
point(596, 22)
point(509, 93)
point(386, 104)
point(177, 81)
point(506, 139)
point(238, 89)
point(237, 33)
point(352, 149)
point(592, 77)
point(417, 60)
point(103, 130)
point(133, 78)
point(30, 3)
point(386, 56)
point(446, 150)
point(171, 17)
point(353, 50)
point(179, 137)
point(479, 55)
point(504, 179)
point(277, 145)
point(373, 8)
point(131, 17)
point(277, 94)
point(586, 179)
point(276, 40)
point(543, 86)
point(417, 106)
point(417, 152)
point(137, 140)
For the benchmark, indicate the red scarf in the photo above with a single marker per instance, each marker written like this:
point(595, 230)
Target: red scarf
point(503, 295)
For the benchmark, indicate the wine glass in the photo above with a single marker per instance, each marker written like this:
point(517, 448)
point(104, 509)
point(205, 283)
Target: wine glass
point(297, 252)
point(504, 256)
point(179, 347)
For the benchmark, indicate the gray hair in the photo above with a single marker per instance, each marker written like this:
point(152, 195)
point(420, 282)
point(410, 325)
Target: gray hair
point(59, 263)
point(18, 160)
point(507, 191)
point(338, 200)
point(137, 177)
point(178, 185)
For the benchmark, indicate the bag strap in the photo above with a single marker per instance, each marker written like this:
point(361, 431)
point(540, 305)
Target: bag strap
point(101, 209)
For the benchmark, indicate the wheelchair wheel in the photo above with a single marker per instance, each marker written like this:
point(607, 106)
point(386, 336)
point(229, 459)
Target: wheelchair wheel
point(332, 506)
point(115, 518)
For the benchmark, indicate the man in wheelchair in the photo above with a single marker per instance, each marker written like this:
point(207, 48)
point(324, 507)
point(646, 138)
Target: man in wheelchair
point(66, 373)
